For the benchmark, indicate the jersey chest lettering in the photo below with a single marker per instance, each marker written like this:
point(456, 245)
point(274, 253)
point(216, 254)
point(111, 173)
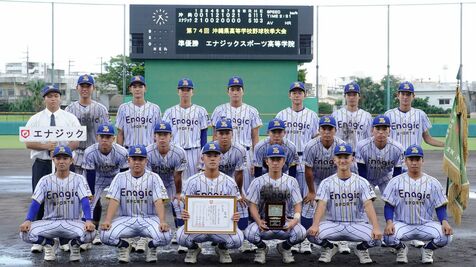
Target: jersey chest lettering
point(136, 193)
point(52, 195)
point(187, 122)
point(86, 120)
point(413, 195)
point(138, 119)
point(350, 124)
point(297, 125)
point(161, 169)
point(408, 126)
point(380, 162)
point(344, 196)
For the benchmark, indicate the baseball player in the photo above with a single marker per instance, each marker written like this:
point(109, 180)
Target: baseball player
point(138, 194)
point(353, 123)
point(136, 119)
point(265, 188)
point(301, 126)
point(210, 182)
point(90, 114)
point(276, 132)
point(410, 200)
point(344, 196)
point(65, 195)
point(189, 123)
point(168, 161)
point(379, 158)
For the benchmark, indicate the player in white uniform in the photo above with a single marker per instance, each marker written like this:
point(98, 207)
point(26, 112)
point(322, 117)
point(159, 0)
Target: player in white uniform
point(379, 158)
point(410, 200)
point(276, 132)
point(90, 114)
point(138, 194)
point(169, 162)
point(353, 123)
point(189, 123)
point(210, 182)
point(270, 187)
point(344, 196)
point(136, 119)
point(65, 195)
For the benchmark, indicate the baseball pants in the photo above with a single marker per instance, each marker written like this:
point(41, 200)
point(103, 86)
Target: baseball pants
point(67, 229)
point(229, 240)
point(430, 231)
point(294, 236)
point(343, 231)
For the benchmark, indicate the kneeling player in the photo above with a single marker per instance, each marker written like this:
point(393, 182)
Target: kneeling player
point(345, 196)
point(410, 199)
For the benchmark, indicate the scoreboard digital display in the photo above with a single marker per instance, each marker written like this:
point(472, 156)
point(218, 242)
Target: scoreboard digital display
point(221, 32)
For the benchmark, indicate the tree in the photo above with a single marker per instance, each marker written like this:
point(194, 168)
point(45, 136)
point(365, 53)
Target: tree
point(114, 67)
point(34, 101)
point(427, 108)
point(325, 108)
point(371, 95)
point(302, 75)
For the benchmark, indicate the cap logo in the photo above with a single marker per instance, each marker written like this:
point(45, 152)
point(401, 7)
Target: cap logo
point(137, 78)
point(406, 86)
point(235, 80)
point(276, 123)
point(85, 78)
point(414, 150)
point(381, 120)
point(224, 124)
point(61, 149)
point(51, 87)
point(275, 150)
point(105, 128)
point(342, 148)
point(138, 151)
point(184, 82)
point(162, 126)
point(326, 119)
point(296, 84)
point(212, 146)
point(351, 87)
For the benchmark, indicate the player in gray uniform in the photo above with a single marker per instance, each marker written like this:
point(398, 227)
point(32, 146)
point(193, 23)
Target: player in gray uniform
point(410, 200)
point(65, 195)
point(276, 132)
point(168, 161)
point(210, 182)
point(136, 119)
point(90, 114)
point(138, 194)
point(267, 188)
point(379, 158)
point(189, 123)
point(345, 196)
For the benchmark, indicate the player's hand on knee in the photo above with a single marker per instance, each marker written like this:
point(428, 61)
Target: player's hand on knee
point(445, 226)
point(262, 225)
point(164, 227)
point(25, 226)
point(389, 228)
point(376, 233)
point(313, 230)
point(236, 217)
point(290, 225)
point(105, 226)
point(89, 226)
point(310, 197)
point(185, 215)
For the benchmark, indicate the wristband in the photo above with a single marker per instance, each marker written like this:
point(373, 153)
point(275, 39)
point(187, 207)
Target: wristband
point(297, 216)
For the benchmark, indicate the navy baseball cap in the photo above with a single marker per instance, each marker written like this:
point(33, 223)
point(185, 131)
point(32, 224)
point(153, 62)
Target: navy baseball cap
point(381, 120)
point(185, 83)
point(275, 151)
point(343, 149)
point(406, 87)
point(48, 89)
point(223, 125)
point(62, 150)
point(86, 79)
point(138, 151)
point(105, 129)
point(297, 85)
point(137, 79)
point(163, 127)
point(275, 124)
point(351, 88)
point(414, 151)
point(211, 147)
point(235, 81)
point(327, 120)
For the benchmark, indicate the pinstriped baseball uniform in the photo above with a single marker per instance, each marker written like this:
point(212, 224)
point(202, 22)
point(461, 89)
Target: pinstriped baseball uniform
point(407, 128)
point(138, 123)
point(353, 126)
point(198, 185)
point(301, 126)
point(186, 126)
point(292, 157)
point(136, 216)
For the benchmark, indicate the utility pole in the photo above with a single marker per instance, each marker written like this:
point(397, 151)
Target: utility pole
point(69, 66)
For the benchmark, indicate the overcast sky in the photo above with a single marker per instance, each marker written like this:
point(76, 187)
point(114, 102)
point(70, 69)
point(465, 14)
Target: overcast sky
point(352, 40)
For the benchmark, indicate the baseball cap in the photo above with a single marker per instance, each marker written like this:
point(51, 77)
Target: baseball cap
point(137, 79)
point(235, 81)
point(275, 151)
point(343, 149)
point(62, 150)
point(297, 85)
point(223, 125)
point(86, 79)
point(406, 87)
point(163, 127)
point(381, 120)
point(211, 147)
point(138, 151)
point(105, 129)
point(414, 151)
point(48, 89)
point(185, 83)
point(275, 124)
point(327, 120)
point(352, 87)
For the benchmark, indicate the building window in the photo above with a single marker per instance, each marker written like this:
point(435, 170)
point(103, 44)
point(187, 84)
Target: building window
point(444, 101)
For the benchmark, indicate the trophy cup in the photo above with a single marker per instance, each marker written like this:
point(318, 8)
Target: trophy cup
point(274, 207)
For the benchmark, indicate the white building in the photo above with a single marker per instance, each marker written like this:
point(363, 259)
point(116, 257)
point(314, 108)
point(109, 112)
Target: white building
point(439, 94)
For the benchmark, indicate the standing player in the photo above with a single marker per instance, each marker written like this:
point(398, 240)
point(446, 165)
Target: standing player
point(168, 161)
point(379, 158)
point(353, 123)
point(138, 194)
point(301, 126)
point(410, 199)
point(189, 123)
point(275, 183)
point(345, 196)
point(136, 119)
point(210, 182)
point(90, 114)
point(65, 194)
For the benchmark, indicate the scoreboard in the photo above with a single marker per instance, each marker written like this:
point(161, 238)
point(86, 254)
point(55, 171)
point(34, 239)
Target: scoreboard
point(221, 32)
